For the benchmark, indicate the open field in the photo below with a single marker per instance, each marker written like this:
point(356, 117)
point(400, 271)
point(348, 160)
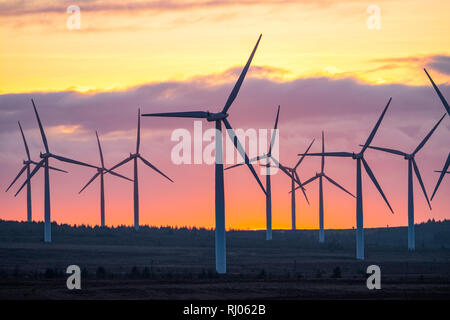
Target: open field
point(170, 263)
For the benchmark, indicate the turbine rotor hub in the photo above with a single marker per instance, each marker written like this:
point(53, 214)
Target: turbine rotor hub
point(216, 116)
point(357, 156)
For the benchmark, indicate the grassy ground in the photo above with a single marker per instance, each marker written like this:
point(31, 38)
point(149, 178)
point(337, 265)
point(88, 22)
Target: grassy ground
point(179, 264)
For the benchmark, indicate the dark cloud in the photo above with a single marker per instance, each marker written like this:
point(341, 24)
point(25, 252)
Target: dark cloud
point(303, 101)
point(21, 7)
point(440, 63)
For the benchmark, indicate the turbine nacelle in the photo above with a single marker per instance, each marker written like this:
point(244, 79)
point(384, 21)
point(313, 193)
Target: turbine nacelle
point(409, 156)
point(216, 116)
point(45, 155)
point(357, 155)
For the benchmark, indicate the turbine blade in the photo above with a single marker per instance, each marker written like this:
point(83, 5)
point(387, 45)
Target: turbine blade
point(277, 164)
point(238, 84)
point(377, 125)
point(443, 172)
point(338, 185)
point(251, 160)
point(138, 139)
point(241, 150)
point(303, 156)
point(303, 189)
point(38, 166)
point(89, 182)
point(64, 159)
point(420, 146)
point(56, 169)
point(416, 170)
point(307, 181)
point(119, 175)
point(50, 167)
point(119, 164)
point(400, 153)
point(323, 151)
point(286, 171)
point(190, 114)
point(24, 141)
point(375, 182)
point(17, 177)
point(154, 168)
point(441, 96)
point(44, 138)
point(328, 154)
point(272, 141)
point(100, 149)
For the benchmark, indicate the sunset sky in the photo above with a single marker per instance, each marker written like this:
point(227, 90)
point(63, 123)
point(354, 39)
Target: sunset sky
point(317, 59)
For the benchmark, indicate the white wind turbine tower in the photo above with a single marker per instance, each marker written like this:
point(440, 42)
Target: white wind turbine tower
point(447, 107)
point(219, 118)
point(45, 163)
point(101, 172)
point(320, 176)
point(410, 157)
point(135, 157)
point(359, 157)
point(293, 175)
point(268, 166)
point(27, 166)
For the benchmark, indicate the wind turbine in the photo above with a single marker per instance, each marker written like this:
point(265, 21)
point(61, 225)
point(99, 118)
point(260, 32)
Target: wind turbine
point(267, 156)
point(359, 157)
point(135, 157)
point(320, 176)
point(443, 172)
point(219, 118)
point(447, 107)
point(293, 175)
point(27, 166)
point(45, 163)
point(101, 172)
point(410, 157)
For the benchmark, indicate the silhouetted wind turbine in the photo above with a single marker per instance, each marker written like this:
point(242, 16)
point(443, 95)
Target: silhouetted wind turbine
point(359, 157)
point(320, 176)
point(447, 107)
point(27, 166)
point(135, 157)
point(443, 172)
point(218, 118)
point(293, 175)
point(412, 164)
point(267, 156)
point(45, 163)
point(101, 172)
